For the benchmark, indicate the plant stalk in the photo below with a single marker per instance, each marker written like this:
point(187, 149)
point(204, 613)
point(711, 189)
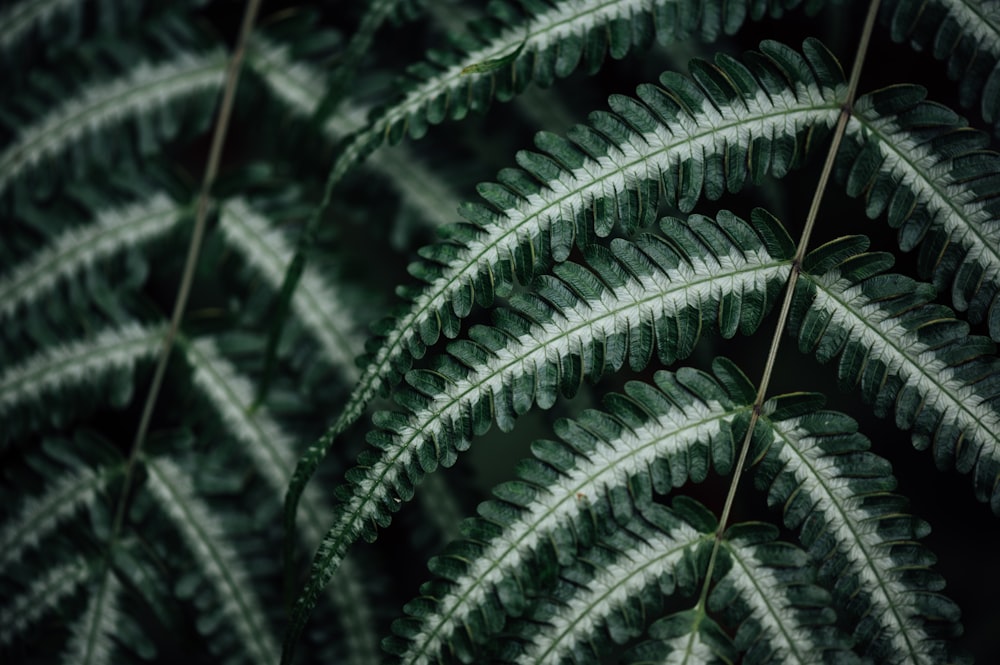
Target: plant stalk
point(191, 261)
point(845, 114)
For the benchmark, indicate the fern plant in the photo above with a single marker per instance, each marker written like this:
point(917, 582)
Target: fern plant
point(627, 268)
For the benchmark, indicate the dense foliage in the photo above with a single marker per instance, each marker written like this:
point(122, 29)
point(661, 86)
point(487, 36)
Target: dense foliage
point(482, 295)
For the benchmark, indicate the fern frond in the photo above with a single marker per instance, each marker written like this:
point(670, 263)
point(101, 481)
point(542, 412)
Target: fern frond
point(92, 637)
point(272, 453)
point(375, 14)
point(231, 583)
point(561, 272)
point(299, 86)
point(769, 592)
point(685, 638)
point(570, 627)
point(545, 44)
point(43, 595)
point(658, 293)
point(966, 33)
point(261, 438)
point(60, 23)
point(680, 139)
point(837, 494)
point(500, 55)
point(920, 165)
point(726, 101)
point(40, 515)
point(316, 304)
point(905, 353)
point(296, 83)
point(18, 19)
point(768, 598)
point(139, 92)
point(673, 434)
point(99, 367)
point(75, 249)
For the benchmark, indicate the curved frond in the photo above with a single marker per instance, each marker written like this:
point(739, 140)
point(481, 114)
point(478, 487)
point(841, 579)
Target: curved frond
point(18, 19)
point(966, 33)
point(273, 455)
point(316, 304)
point(770, 592)
point(725, 102)
point(584, 614)
point(92, 639)
point(837, 494)
point(43, 595)
point(920, 165)
point(39, 516)
point(906, 354)
point(556, 311)
point(660, 292)
point(738, 122)
point(500, 55)
point(101, 367)
point(112, 231)
point(138, 92)
point(230, 581)
point(673, 434)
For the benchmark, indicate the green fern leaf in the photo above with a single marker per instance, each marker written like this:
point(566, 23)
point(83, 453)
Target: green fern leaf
point(579, 325)
point(173, 491)
point(559, 286)
point(92, 637)
point(818, 470)
point(43, 595)
point(610, 176)
point(316, 303)
point(100, 367)
point(551, 43)
point(905, 354)
point(137, 93)
point(658, 561)
point(920, 165)
point(966, 33)
point(76, 249)
point(674, 433)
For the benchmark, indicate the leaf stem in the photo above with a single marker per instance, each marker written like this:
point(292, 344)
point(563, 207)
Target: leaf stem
point(845, 114)
point(374, 17)
point(191, 262)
